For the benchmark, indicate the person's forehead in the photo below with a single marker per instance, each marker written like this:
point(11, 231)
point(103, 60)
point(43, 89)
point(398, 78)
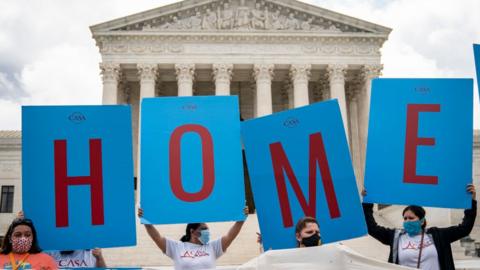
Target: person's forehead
point(22, 229)
point(409, 213)
point(202, 226)
point(311, 226)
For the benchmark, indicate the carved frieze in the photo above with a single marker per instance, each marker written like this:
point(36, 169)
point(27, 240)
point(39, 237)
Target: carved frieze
point(241, 15)
point(172, 44)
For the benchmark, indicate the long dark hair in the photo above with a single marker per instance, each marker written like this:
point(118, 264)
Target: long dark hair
point(418, 211)
point(188, 234)
point(7, 244)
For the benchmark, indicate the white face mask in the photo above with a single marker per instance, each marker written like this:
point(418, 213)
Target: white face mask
point(204, 236)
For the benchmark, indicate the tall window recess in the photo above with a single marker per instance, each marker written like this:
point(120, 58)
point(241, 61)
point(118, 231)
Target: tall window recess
point(6, 201)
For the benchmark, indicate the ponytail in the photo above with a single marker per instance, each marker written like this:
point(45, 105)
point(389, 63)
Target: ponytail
point(188, 234)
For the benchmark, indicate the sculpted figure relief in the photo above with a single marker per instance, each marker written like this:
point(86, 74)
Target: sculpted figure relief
point(210, 20)
point(196, 21)
point(277, 20)
point(307, 25)
point(243, 17)
point(242, 20)
point(291, 23)
point(258, 17)
point(175, 24)
point(228, 16)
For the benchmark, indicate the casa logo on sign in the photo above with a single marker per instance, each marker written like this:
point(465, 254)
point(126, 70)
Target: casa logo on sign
point(189, 107)
point(77, 117)
point(291, 122)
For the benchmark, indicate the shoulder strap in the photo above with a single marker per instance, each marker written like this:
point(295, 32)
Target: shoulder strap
point(420, 251)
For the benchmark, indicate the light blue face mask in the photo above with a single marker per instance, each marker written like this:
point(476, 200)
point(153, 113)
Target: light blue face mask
point(204, 236)
point(413, 227)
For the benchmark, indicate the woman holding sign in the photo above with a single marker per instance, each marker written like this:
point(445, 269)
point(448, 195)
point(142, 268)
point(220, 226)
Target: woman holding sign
point(194, 250)
point(307, 233)
point(417, 246)
point(20, 248)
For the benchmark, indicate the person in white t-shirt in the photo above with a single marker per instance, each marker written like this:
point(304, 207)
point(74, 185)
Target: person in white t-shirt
point(417, 246)
point(194, 250)
point(82, 258)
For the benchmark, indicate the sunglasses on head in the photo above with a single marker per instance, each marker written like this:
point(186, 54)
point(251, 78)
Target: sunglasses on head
point(18, 221)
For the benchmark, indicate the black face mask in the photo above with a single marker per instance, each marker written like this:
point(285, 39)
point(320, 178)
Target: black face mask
point(311, 241)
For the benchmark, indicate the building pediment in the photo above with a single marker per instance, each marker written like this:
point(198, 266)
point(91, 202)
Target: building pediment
point(239, 16)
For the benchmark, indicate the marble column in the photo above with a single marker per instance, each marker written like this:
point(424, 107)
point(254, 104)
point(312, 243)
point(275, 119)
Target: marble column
point(185, 74)
point(123, 93)
point(336, 74)
point(368, 73)
point(300, 74)
point(110, 77)
point(288, 91)
point(263, 74)
point(352, 101)
point(147, 74)
point(222, 74)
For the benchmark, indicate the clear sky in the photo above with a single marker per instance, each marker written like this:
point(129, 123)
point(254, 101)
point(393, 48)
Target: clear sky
point(47, 55)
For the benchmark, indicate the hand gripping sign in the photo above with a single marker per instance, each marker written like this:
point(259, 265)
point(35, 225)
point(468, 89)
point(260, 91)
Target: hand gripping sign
point(419, 147)
point(78, 175)
point(299, 165)
point(191, 160)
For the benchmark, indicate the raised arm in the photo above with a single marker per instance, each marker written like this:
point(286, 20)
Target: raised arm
point(233, 232)
point(382, 234)
point(463, 229)
point(97, 253)
point(159, 240)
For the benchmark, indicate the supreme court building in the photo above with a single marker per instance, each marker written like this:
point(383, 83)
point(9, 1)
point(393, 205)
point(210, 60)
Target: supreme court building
point(274, 55)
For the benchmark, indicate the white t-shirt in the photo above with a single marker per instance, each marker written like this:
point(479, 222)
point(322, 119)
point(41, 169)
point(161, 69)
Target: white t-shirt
point(409, 248)
point(82, 258)
point(188, 256)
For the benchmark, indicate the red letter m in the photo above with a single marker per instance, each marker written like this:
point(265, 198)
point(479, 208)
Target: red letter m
point(318, 157)
point(62, 181)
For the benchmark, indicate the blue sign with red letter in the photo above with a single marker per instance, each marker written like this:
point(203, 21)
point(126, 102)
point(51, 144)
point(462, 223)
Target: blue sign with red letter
point(476, 52)
point(419, 148)
point(78, 175)
point(191, 160)
point(299, 165)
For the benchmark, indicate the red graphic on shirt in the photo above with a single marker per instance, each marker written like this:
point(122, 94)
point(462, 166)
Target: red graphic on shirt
point(415, 245)
point(194, 254)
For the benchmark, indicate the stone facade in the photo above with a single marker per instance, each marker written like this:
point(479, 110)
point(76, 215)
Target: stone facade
point(11, 172)
point(274, 55)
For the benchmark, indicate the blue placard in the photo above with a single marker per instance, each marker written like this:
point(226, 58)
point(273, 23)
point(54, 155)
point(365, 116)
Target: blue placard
point(191, 160)
point(307, 144)
point(476, 52)
point(78, 175)
point(419, 147)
